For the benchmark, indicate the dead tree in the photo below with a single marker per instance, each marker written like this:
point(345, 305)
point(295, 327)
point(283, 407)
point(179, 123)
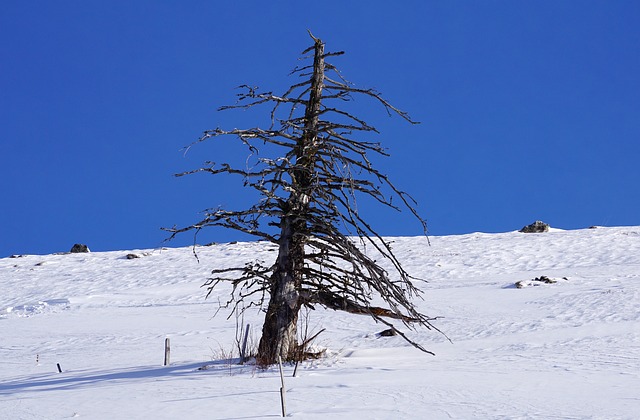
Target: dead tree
point(307, 208)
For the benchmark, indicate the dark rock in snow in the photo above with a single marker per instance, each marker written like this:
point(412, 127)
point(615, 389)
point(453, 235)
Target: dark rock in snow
point(132, 256)
point(388, 333)
point(537, 281)
point(77, 248)
point(535, 227)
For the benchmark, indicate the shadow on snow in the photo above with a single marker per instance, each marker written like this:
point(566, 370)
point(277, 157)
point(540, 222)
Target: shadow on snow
point(77, 379)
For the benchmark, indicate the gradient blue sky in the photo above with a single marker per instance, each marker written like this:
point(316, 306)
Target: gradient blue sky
point(529, 109)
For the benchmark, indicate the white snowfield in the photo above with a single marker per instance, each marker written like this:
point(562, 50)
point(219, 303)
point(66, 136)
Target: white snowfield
point(563, 350)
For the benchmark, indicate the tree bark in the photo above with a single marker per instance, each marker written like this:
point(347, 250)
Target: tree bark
point(279, 332)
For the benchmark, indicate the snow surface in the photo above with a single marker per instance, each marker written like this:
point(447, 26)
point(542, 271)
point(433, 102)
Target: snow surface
point(566, 350)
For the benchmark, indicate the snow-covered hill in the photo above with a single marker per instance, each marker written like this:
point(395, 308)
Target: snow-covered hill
point(569, 349)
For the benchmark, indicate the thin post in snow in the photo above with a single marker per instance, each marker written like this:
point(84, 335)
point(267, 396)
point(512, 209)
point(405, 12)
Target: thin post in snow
point(282, 391)
point(243, 354)
point(295, 369)
point(167, 351)
point(59, 368)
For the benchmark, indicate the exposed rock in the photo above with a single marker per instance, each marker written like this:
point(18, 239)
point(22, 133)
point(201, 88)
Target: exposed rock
point(132, 256)
point(535, 227)
point(388, 333)
point(77, 248)
point(537, 281)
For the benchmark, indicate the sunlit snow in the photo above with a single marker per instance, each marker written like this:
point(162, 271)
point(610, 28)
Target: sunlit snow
point(568, 349)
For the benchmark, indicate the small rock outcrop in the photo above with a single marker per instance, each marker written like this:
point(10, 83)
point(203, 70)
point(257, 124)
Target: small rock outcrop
point(538, 281)
point(388, 333)
point(535, 227)
point(78, 248)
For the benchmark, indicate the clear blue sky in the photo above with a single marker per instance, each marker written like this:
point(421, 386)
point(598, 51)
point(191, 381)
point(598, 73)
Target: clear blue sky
point(529, 109)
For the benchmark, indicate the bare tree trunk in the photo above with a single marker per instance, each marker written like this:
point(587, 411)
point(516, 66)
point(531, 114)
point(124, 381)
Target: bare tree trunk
point(279, 332)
